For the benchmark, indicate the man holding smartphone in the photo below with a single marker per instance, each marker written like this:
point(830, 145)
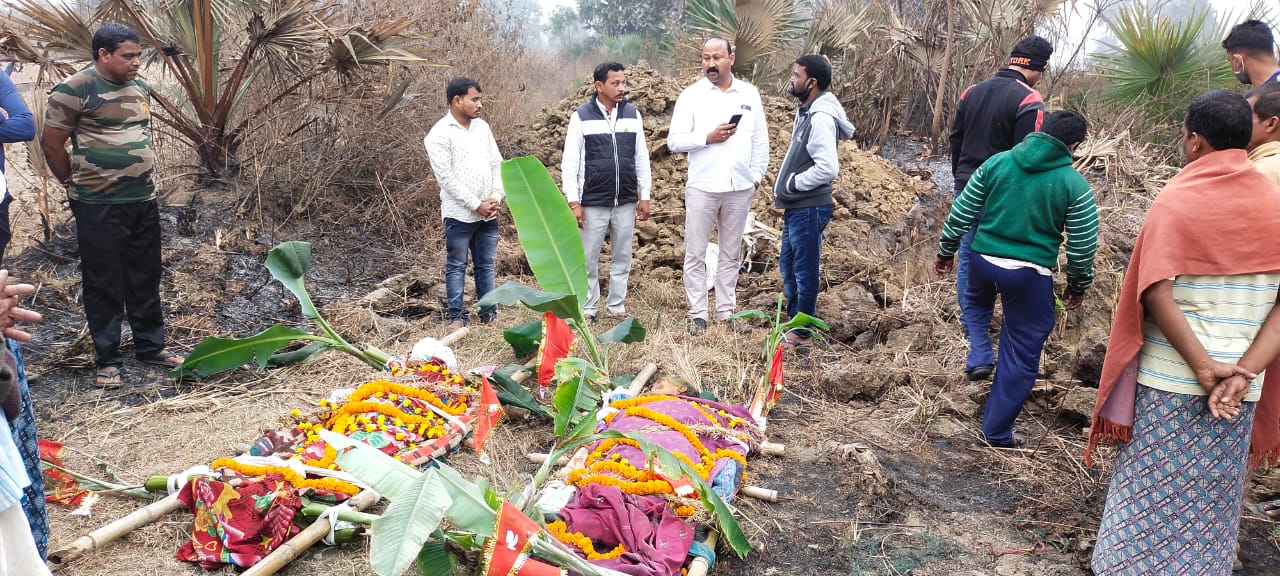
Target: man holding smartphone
point(604, 173)
point(727, 160)
point(803, 187)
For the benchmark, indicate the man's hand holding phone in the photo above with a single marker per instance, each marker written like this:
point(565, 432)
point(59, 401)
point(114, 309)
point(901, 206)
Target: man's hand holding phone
point(724, 131)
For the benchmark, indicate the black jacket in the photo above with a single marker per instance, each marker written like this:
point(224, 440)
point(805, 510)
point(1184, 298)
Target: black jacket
point(991, 117)
point(609, 157)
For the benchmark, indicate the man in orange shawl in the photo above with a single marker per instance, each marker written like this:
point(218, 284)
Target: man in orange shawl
point(1194, 325)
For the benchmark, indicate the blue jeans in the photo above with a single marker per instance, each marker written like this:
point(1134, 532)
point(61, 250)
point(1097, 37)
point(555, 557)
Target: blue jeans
point(979, 344)
point(481, 240)
point(1029, 315)
point(801, 247)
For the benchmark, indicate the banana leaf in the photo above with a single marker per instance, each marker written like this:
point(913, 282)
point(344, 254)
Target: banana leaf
point(577, 396)
point(214, 355)
point(524, 338)
point(626, 332)
point(295, 356)
point(512, 393)
point(390, 477)
point(289, 263)
point(473, 502)
point(511, 293)
point(409, 521)
point(802, 320)
point(435, 559)
point(547, 229)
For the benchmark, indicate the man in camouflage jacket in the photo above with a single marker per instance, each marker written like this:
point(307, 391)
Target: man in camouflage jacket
point(104, 110)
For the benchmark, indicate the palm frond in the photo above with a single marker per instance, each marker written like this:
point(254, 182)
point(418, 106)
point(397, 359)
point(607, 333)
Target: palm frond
point(62, 30)
point(382, 43)
point(1159, 64)
point(757, 28)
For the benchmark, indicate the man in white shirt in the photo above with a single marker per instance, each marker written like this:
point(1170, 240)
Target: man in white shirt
point(467, 164)
point(606, 179)
point(720, 122)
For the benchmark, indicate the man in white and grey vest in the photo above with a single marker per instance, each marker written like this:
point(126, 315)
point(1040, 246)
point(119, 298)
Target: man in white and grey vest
point(605, 176)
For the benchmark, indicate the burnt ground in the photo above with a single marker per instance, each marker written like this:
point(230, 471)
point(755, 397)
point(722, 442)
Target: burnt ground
point(883, 473)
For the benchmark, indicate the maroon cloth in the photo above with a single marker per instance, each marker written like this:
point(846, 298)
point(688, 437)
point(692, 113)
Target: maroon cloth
point(656, 539)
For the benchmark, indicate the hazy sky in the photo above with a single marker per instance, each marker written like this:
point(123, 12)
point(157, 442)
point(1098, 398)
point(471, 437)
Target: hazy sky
point(1223, 7)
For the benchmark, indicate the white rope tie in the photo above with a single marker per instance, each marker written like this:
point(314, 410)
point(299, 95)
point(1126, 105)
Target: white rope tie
point(331, 513)
point(175, 482)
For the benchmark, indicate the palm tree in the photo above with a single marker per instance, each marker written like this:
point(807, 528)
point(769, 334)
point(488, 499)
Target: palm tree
point(276, 46)
point(758, 28)
point(1160, 64)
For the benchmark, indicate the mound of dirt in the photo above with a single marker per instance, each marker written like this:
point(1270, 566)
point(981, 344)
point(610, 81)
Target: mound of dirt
point(877, 217)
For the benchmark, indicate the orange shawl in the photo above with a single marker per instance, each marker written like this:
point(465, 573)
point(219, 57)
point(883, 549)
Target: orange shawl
point(1219, 217)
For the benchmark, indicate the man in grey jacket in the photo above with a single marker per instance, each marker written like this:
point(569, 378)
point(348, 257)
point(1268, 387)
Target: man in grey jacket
point(803, 187)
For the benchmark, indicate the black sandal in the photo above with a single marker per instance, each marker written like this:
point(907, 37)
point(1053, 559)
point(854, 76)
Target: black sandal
point(163, 358)
point(108, 378)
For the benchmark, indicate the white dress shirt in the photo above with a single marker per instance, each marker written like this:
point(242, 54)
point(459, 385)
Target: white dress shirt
point(736, 164)
point(572, 161)
point(467, 165)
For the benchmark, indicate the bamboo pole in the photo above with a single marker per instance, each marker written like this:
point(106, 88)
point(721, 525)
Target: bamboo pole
point(287, 552)
point(454, 336)
point(642, 378)
point(772, 449)
point(114, 530)
point(699, 565)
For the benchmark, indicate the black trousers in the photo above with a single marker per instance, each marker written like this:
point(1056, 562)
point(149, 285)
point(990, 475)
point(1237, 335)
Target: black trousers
point(120, 273)
point(5, 231)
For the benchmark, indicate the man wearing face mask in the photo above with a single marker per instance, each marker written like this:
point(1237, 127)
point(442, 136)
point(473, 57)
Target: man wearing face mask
point(720, 122)
point(803, 187)
point(991, 117)
point(1251, 52)
point(605, 176)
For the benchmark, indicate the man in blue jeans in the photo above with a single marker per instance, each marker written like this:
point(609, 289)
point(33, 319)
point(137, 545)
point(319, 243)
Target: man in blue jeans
point(467, 165)
point(1033, 198)
point(803, 187)
point(991, 117)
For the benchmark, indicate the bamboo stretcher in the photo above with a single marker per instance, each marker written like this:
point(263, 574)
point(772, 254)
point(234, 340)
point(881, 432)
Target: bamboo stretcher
point(156, 510)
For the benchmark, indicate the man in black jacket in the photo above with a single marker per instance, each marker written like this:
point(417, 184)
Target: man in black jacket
point(1252, 54)
point(991, 117)
point(605, 176)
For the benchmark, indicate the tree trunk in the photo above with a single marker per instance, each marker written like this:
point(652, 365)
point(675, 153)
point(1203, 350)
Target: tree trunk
point(943, 79)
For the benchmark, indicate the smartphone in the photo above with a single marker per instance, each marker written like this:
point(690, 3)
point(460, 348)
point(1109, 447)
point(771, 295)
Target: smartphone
point(735, 119)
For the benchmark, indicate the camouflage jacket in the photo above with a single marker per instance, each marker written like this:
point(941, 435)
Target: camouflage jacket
point(110, 125)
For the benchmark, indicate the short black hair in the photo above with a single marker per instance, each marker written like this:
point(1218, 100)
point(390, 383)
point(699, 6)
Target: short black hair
point(1266, 100)
point(110, 35)
point(727, 45)
point(1223, 118)
point(1033, 46)
point(1068, 127)
point(602, 71)
point(459, 87)
point(816, 67)
point(1252, 37)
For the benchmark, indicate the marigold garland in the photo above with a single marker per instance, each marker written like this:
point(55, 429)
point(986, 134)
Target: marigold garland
point(582, 542)
point(293, 478)
point(378, 388)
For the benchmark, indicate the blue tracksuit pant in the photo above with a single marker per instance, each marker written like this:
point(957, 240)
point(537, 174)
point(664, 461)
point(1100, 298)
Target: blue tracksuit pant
point(1029, 315)
point(980, 351)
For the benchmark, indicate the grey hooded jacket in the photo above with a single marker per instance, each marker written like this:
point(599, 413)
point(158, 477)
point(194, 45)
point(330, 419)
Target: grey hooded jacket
point(812, 161)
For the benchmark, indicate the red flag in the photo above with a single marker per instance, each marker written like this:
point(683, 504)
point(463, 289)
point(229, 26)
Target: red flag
point(775, 378)
point(487, 416)
point(61, 487)
point(504, 553)
point(557, 340)
point(770, 389)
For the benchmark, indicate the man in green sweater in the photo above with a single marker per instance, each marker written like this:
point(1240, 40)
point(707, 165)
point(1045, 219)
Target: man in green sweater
point(1031, 195)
